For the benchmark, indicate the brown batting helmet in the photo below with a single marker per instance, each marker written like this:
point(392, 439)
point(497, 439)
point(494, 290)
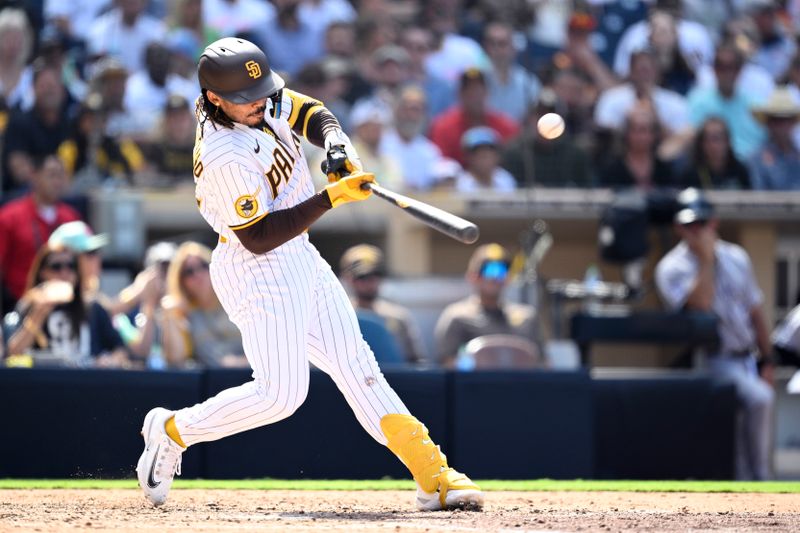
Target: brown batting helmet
point(238, 71)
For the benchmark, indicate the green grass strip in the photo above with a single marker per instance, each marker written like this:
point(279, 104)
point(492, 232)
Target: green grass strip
point(538, 485)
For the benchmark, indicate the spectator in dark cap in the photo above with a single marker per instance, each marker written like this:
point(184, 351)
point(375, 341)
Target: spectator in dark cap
point(109, 79)
point(168, 151)
point(363, 268)
point(482, 170)
point(705, 273)
point(534, 160)
point(483, 313)
point(471, 110)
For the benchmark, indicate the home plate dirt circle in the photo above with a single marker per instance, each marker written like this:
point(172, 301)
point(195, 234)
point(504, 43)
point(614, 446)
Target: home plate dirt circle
point(382, 511)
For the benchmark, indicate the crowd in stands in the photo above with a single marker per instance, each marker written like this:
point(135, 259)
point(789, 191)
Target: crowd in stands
point(645, 87)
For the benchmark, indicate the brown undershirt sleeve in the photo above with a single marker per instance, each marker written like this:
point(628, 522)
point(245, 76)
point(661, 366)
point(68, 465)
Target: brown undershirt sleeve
point(281, 226)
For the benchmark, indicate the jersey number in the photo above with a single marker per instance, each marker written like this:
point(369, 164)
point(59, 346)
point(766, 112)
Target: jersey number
point(281, 169)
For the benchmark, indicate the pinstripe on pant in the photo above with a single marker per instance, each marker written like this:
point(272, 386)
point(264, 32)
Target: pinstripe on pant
point(290, 309)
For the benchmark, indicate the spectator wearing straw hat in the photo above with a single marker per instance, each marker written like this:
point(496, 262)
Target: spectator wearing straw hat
point(776, 165)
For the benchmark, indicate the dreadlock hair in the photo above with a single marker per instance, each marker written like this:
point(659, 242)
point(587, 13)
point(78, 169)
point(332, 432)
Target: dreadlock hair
point(205, 110)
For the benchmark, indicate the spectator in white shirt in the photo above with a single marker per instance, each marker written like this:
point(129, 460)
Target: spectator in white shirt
point(230, 17)
point(147, 91)
point(615, 103)
point(124, 33)
point(415, 153)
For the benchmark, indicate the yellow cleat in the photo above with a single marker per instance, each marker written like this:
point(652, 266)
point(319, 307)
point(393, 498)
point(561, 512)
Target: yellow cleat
point(456, 491)
point(439, 487)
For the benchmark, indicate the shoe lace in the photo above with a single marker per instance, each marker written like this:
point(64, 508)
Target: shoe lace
point(170, 458)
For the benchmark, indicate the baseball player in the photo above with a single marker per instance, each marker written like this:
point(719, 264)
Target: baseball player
point(254, 188)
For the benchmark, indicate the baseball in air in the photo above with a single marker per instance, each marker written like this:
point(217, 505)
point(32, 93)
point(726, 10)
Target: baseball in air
point(550, 125)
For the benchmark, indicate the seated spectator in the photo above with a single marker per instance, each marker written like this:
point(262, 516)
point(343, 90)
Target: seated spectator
point(776, 166)
point(169, 152)
point(676, 71)
point(775, 46)
point(510, 86)
point(728, 102)
point(124, 32)
point(714, 165)
point(390, 71)
point(786, 339)
point(52, 317)
point(140, 324)
point(291, 42)
point(188, 16)
point(231, 17)
point(576, 96)
point(470, 111)
point(440, 93)
point(615, 103)
point(26, 224)
point(482, 170)
point(148, 90)
point(752, 80)
point(92, 156)
point(414, 152)
point(534, 160)
point(580, 54)
point(483, 313)
point(321, 14)
point(637, 164)
point(78, 238)
point(694, 40)
point(39, 131)
point(704, 273)
point(195, 326)
point(16, 44)
point(362, 267)
point(369, 120)
point(109, 80)
point(451, 53)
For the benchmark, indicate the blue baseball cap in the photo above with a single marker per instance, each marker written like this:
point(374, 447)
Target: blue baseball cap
point(77, 237)
point(479, 136)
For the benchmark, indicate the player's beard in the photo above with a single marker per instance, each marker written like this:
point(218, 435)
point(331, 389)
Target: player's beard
point(254, 118)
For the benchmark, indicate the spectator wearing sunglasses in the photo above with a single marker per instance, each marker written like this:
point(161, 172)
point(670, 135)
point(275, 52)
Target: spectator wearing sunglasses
point(79, 238)
point(53, 319)
point(705, 273)
point(484, 312)
point(196, 328)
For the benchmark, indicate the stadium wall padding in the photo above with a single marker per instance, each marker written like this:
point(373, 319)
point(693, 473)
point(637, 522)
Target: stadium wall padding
point(506, 425)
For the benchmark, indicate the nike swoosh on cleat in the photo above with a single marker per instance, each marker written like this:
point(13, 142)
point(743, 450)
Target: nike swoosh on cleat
point(426, 441)
point(151, 482)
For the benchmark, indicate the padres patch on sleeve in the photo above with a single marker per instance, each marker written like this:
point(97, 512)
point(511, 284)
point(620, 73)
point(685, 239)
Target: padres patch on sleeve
point(247, 205)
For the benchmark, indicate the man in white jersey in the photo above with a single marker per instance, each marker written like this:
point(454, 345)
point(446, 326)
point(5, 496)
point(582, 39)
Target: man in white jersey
point(254, 187)
point(705, 273)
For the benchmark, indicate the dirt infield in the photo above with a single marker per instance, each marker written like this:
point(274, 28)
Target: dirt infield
point(227, 510)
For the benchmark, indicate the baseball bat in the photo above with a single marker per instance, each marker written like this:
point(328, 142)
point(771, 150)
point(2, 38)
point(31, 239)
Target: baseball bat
point(440, 220)
point(451, 225)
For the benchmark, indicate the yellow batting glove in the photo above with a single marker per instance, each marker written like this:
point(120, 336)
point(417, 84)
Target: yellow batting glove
point(348, 189)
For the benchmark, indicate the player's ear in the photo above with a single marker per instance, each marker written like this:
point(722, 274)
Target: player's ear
point(213, 97)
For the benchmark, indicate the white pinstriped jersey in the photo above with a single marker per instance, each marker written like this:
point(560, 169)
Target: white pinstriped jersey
point(287, 303)
point(244, 173)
